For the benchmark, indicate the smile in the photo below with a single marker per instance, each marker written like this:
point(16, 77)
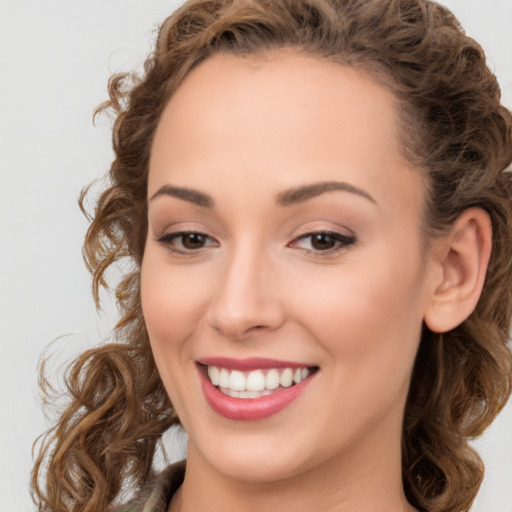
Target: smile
point(256, 383)
point(252, 389)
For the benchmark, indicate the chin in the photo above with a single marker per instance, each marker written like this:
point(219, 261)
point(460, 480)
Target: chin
point(259, 463)
point(263, 452)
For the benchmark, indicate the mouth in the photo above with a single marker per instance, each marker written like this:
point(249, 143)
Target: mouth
point(256, 383)
point(252, 388)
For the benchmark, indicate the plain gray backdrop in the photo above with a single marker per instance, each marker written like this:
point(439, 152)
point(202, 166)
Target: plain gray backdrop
point(55, 58)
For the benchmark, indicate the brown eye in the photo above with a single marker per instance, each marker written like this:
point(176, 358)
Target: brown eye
point(193, 240)
point(323, 241)
point(185, 242)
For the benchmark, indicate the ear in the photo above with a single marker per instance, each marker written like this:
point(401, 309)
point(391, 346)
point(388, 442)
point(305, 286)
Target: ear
point(461, 260)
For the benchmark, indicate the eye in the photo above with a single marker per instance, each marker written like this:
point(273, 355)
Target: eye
point(323, 242)
point(186, 241)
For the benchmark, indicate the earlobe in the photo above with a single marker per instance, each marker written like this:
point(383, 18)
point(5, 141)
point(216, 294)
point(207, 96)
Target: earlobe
point(462, 258)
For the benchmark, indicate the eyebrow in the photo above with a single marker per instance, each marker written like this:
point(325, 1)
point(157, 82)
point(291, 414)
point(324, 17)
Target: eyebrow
point(286, 198)
point(186, 194)
point(305, 192)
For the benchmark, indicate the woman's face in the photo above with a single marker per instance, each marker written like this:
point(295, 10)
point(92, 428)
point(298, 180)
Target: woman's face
point(284, 242)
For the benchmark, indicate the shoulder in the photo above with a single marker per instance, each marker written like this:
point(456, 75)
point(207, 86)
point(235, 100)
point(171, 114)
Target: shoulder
point(157, 496)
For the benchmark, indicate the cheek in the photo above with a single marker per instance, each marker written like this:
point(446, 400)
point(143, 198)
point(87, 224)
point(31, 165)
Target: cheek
point(366, 314)
point(173, 298)
point(368, 321)
point(173, 301)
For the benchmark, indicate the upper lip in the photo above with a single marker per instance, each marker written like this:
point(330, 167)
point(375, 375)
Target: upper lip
point(252, 363)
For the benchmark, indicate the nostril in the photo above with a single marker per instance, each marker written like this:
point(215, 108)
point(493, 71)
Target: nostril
point(259, 327)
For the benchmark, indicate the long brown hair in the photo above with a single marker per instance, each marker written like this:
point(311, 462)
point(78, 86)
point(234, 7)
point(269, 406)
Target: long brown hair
point(453, 128)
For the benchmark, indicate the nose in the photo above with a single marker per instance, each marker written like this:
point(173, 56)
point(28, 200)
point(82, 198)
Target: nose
point(246, 299)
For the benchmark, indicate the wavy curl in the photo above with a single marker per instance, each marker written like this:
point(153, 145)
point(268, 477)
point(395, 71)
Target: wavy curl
point(454, 129)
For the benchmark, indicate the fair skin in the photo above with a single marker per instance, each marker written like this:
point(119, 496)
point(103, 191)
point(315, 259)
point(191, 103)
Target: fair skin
point(337, 278)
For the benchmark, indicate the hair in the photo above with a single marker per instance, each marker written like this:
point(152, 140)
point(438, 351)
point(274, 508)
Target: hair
point(453, 128)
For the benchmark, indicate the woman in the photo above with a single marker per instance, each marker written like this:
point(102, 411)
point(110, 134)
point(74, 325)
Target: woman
point(315, 200)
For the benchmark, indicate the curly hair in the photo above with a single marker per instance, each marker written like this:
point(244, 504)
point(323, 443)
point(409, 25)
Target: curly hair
point(453, 128)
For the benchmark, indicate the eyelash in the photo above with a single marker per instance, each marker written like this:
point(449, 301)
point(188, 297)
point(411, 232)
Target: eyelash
point(168, 239)
point(342, 242)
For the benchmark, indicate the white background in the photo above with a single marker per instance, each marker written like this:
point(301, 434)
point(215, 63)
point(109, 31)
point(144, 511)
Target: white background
point(55, 58)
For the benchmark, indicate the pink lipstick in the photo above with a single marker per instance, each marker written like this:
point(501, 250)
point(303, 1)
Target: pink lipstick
point(252, 389)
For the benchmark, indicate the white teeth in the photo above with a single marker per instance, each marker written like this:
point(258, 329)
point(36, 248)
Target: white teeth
point(213, 373)
point(286, 379)
point(224, 378)
point(249, 394)
point(255, 383)
point(237, 381)
point(272, 379)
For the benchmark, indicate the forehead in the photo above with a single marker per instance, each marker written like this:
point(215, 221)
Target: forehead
point(285, 117)
point(274, 85)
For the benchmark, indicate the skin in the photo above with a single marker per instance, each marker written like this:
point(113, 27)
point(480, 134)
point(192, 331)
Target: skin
point(242, 131)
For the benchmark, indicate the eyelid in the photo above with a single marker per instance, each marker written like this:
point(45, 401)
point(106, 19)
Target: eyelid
point(341, 241)
point(344, 241)
point(167, 238)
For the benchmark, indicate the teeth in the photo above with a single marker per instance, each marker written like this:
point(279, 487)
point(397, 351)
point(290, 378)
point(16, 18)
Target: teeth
point(214, 374)
point(286, 379)
point(224, 379)
point(249, 394)
point(256, 383)
point(272, 379)
point(237, 381)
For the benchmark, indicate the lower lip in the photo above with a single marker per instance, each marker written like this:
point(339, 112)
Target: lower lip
point(250, 408)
